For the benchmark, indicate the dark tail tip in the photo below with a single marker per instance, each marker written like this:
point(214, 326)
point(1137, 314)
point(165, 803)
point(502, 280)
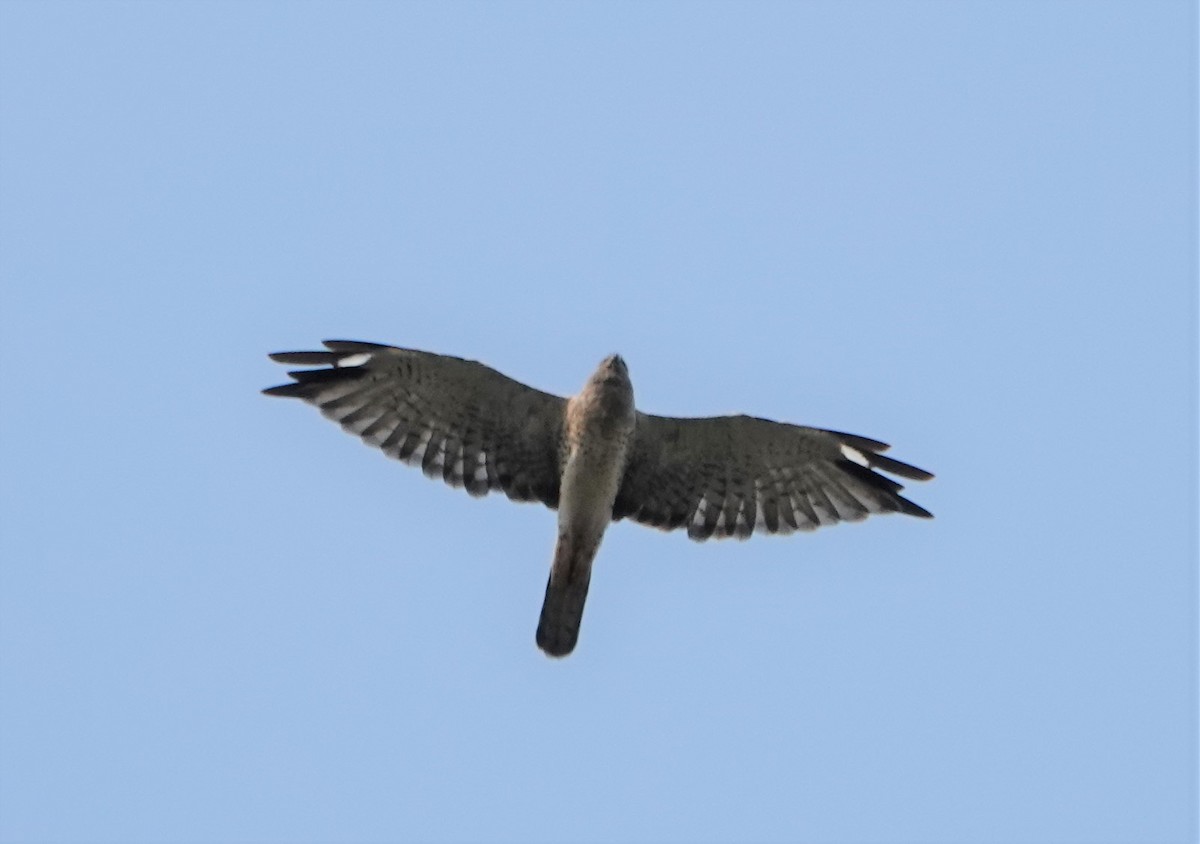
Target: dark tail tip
point(562, 613)
point(556, 642)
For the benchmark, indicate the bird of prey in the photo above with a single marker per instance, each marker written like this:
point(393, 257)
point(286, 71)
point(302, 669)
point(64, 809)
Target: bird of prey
point(594, 457)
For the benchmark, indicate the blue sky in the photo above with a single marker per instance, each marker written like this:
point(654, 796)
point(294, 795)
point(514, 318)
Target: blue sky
point(968, 229)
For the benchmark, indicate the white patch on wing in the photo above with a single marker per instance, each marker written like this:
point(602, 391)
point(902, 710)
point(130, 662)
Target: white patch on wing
point(741, 522)
point(439, 456)
point(855, 456)
point(457, 471)
point(418, 453)
point(352, 360)
point(719, 527)
point(760, 518)
point(480, 474)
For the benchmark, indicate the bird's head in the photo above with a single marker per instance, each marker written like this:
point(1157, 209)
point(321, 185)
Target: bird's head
point(611, 386)
point(612, 372)
point(614, 366)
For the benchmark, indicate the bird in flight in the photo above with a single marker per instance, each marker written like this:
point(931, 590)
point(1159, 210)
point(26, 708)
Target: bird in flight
point(594, 457)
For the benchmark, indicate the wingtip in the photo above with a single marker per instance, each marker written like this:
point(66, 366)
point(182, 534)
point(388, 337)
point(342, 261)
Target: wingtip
point(326, 358)
point(911, 509)
point(287, 391)
point(304, 358)
point(897, 467)
point(353, 345)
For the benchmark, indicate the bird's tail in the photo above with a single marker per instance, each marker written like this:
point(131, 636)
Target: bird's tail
point(566, 592)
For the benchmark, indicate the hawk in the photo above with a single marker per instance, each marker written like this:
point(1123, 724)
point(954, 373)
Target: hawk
point(594, 457)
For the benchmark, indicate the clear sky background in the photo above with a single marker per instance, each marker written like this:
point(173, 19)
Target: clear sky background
point(968, 229)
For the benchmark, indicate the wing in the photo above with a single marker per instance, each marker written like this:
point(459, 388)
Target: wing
point(457, 419)
point(732, 475)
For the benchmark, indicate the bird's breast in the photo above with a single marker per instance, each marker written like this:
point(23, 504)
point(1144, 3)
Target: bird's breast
point(590, 479)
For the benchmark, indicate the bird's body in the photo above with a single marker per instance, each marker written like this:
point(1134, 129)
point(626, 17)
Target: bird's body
point(595, 457)
point(599, 425)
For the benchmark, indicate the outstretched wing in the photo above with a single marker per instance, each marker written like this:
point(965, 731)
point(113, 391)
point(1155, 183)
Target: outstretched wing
point(457, 419)
point(732, 475)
